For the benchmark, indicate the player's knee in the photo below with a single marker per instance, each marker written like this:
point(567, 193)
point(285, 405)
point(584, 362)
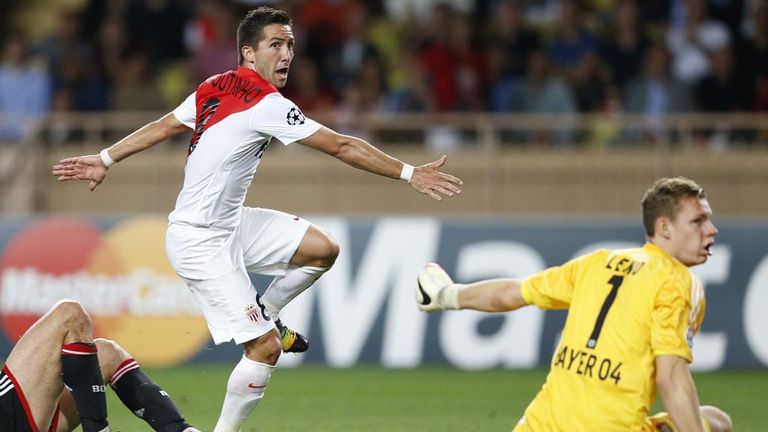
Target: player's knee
point(264, 349)
point(111, 356)
point(317, 249)
point(272, 348)
point(718, 419)
point(330, 251)
point(72, 316)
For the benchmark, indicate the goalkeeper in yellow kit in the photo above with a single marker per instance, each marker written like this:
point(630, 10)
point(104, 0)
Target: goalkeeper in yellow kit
point(632, 314)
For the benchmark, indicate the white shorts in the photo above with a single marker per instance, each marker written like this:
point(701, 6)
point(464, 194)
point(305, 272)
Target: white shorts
point(215, 265)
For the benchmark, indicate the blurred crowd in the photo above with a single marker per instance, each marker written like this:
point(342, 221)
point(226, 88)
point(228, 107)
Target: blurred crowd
point(536, 56)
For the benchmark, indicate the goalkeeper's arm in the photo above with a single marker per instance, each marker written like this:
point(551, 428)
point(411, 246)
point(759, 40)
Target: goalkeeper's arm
point(437, 291)
point(678, 391)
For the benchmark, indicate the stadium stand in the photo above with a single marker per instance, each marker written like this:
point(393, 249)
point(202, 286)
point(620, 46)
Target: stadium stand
point(544, 107)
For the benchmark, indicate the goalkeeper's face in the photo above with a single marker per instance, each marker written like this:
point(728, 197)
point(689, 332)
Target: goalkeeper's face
point(692, 233)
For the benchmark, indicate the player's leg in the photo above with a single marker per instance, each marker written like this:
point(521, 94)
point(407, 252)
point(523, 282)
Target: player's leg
point(137, 392)
point(234, 311)
point(248, 381)
point(60, 344)
point(315, 255)
point(291, 248)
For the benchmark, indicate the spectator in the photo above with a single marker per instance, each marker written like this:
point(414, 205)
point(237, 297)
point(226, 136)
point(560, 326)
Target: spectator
point(754, 55)
point(372, 84)
point(350, 114)
point(25, 90)
point(516, 40)
point(420, 11)
point(134, 88)
point(437, 59)
point(625, 44)
point(544, 92)
point(211, 38)
point(574, 51)
point(409, 89)
point(589, 83)
point(471, 72)
point(64, 42)
point(692, 40)
point(162, 24)
point(307, 90)
point(655, 93)
point(87, 86)
point(541, 13)
point(325, 24)
point(72, 64)
point(723, 89)
point(111, 43)
point(572, 42)
point(354, 49)
point(506, 55)
point(60, 129)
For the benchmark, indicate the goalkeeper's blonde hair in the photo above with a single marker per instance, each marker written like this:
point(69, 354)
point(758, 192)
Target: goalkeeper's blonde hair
point(663, 198)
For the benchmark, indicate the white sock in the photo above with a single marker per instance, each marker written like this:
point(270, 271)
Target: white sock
point(245, 389)
point(285, 288)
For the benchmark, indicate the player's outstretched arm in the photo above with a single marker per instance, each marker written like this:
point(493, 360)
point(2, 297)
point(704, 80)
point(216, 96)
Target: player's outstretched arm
point(94, 167)
point(678, 391)
point(436, 290)
point(427, 179)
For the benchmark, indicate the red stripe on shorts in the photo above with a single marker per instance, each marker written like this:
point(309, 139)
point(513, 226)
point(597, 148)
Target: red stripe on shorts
point(22, 398)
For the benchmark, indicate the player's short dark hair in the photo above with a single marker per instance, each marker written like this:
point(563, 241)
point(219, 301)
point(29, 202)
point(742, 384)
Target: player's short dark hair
point(663, 199)
point(250, 31)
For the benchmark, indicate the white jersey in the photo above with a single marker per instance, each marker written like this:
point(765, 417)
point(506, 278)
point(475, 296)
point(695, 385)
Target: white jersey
point(234, 115)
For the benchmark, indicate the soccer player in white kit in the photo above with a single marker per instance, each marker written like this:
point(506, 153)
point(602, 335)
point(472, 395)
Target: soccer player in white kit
point(212, 240)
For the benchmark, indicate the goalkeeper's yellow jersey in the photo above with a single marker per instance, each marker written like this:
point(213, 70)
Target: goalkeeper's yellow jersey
point(625, 308)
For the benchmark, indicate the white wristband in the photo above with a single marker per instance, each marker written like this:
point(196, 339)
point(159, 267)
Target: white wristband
point(406, 173)
point(108, 161)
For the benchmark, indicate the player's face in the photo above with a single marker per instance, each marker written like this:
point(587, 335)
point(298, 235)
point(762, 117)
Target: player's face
point(692, 233)
point(273, 56)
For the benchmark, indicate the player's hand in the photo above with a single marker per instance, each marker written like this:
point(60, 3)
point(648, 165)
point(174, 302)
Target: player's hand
point(428, 180)
point(435, 290)
point(89, 167)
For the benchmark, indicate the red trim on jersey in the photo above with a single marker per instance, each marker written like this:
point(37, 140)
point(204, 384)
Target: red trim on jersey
point(222, 95)
point(123, 369)
point(79, 348)
point(22, 399)
point(55, 422)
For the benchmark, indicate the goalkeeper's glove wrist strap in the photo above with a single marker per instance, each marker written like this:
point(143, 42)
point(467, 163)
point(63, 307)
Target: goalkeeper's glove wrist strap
point(449, 297)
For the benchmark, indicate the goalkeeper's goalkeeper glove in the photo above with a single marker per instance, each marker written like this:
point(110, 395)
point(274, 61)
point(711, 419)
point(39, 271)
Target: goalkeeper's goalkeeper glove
point(435, 290)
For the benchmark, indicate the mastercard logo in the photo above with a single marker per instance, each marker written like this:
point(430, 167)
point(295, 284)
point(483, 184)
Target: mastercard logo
point(121, 276)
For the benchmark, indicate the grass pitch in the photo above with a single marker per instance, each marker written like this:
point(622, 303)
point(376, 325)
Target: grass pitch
point(313, 398)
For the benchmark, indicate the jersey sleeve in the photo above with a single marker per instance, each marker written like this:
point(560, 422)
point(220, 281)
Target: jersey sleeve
point(279, 117)
point(553, 288)
point(187, 111)
point(673, 321)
